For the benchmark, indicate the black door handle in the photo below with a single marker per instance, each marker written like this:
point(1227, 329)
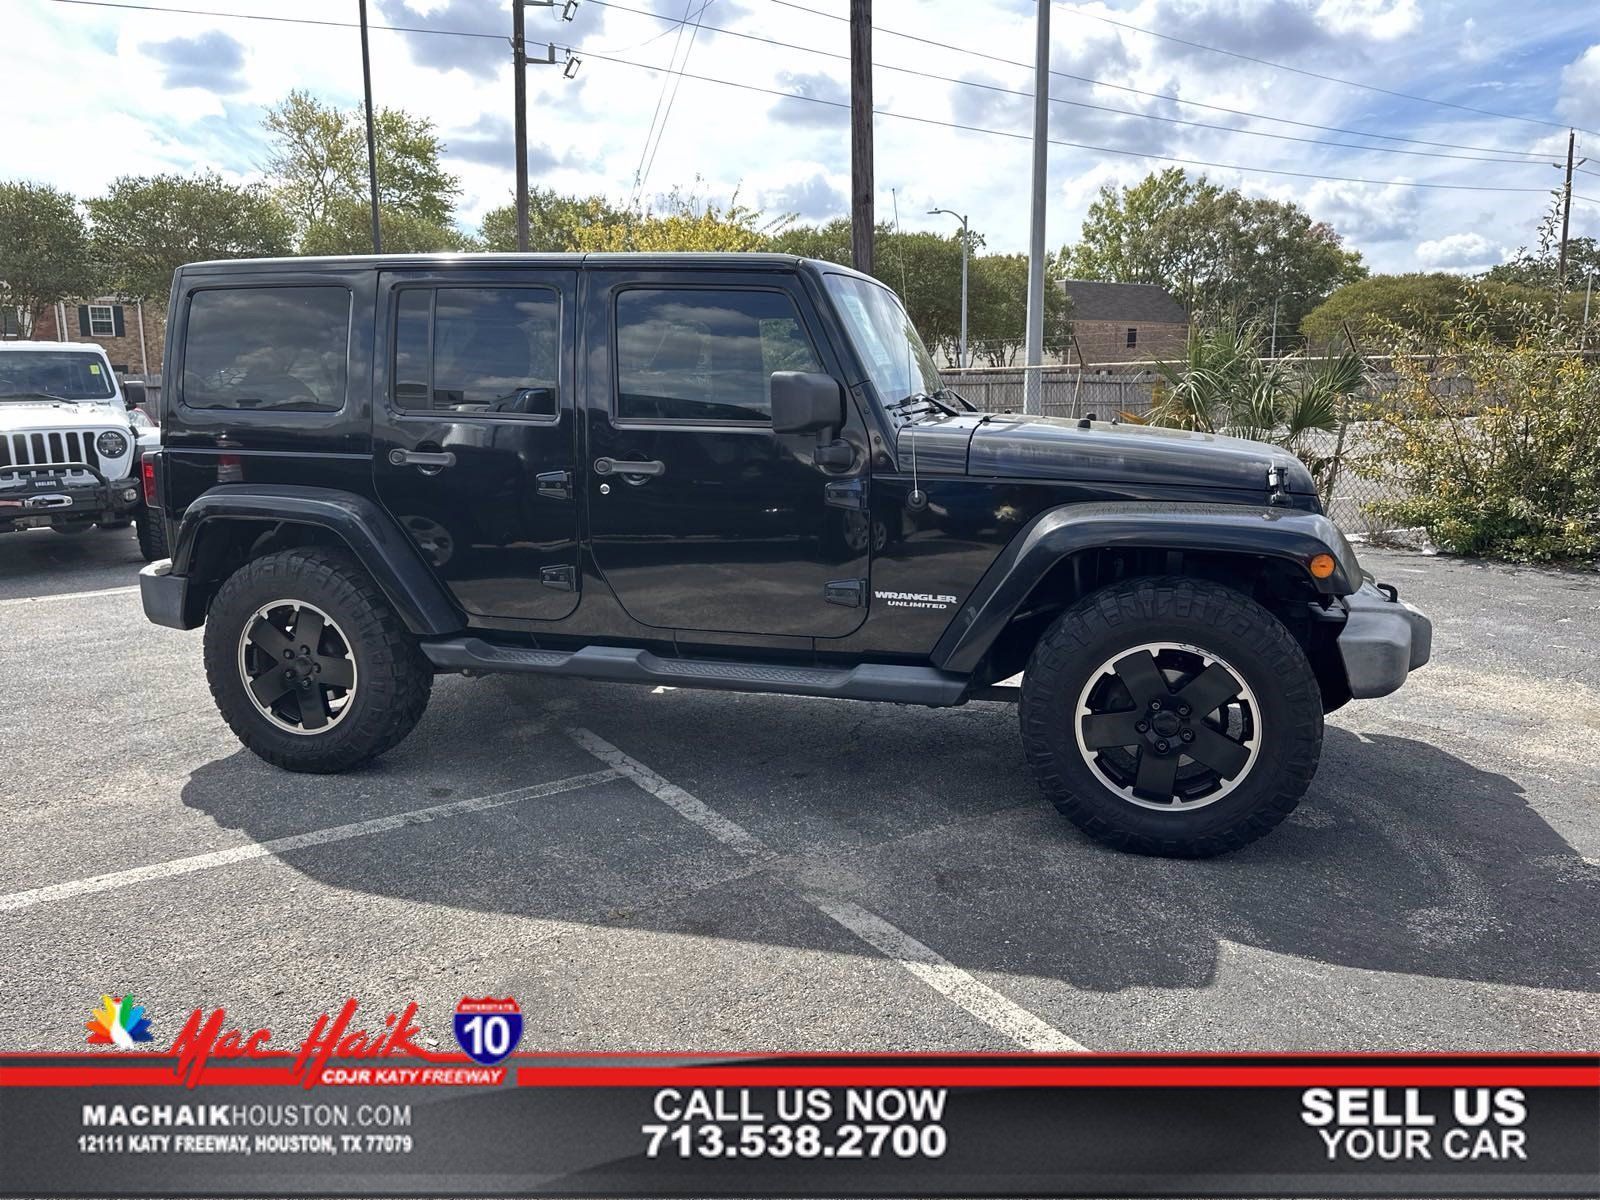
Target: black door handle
point(620, 466)
point(422, 458)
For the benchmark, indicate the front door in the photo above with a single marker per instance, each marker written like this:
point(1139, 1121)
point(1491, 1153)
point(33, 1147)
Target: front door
point(474, 430)
point(701, 518)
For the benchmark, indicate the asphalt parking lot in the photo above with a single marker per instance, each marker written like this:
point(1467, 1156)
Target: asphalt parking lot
point(696, 870)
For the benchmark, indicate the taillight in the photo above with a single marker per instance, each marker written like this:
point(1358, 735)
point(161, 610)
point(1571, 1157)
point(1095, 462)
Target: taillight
point(147, 474)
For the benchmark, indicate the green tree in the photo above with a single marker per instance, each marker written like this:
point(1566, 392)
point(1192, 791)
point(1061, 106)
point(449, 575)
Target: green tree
point(1217, 250)
point(1539, 268)
point(1387, 308)
point(318, 170)
point(146, 227)
point(829, 242)
point(45, 252)
point(346, 228)
point(682, 222)
point(553, 221)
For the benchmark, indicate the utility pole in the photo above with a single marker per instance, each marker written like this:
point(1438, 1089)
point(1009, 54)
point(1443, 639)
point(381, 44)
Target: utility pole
point(961, 355)
point(1032, 385)
point(1566, 212)
point(372, 141)
point(519, 71)
point(861, 186)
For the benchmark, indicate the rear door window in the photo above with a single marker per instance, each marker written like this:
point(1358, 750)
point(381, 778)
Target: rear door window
point(284, 349)
point(489, 350)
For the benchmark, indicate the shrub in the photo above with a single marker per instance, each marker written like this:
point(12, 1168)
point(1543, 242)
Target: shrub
point(1514, 475)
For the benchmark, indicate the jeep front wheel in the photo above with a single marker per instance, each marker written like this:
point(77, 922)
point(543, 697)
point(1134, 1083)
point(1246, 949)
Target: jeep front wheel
point(152, 534)
point(309, 664)
point(1171, 716)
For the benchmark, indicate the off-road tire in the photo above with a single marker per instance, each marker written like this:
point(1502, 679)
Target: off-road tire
point(394, 680)
point(1214, 618)
point(152, 533)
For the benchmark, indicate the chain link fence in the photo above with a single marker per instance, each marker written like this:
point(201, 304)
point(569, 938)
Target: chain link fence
point(1112, 393)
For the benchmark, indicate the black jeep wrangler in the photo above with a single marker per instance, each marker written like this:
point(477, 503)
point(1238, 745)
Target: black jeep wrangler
point(742, 472)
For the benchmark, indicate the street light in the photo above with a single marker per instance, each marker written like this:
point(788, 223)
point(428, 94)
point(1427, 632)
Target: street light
point(961, 355)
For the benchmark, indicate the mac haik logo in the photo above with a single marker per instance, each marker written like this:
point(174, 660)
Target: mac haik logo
point(488, 1029)
point(206, 1037)
point(118, 1022)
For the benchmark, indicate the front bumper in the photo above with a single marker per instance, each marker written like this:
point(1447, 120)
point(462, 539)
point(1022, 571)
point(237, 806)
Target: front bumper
point(165, 596)
point(1383, 640)
point(32, 496)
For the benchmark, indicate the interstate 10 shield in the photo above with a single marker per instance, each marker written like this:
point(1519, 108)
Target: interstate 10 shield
point(488, 1029)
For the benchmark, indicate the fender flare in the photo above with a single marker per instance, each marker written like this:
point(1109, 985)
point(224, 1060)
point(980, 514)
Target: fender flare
point(370, 533)
point(1289, 534)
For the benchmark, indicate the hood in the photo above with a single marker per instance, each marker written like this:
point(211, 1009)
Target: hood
point(63, 414)
point(1025, 447)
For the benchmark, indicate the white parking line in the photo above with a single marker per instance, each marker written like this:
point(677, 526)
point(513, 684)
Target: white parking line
point(718, 826)
point(298, 841)
point(943, 976)
point(116, 591)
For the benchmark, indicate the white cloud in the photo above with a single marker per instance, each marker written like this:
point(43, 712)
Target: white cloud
point(1580, 88)
point(1380, 20)
point(588, 133)
point(1458, 252)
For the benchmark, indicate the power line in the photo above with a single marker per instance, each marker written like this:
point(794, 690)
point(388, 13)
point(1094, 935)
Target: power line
point(1277, 66)
point(239, 16)
point(1236, 112)
point(1007, 133)
point(1106, 108)
point(1464, 187)
point(661, 96)
point(673, 98)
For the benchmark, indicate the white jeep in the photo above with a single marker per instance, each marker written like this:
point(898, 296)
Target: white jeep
point(71, 437)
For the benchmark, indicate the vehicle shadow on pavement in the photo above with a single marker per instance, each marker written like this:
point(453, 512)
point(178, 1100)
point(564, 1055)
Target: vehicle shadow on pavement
point(1404, 858)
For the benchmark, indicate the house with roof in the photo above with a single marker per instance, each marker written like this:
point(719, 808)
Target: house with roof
point(130, 332)
point(1124, 322)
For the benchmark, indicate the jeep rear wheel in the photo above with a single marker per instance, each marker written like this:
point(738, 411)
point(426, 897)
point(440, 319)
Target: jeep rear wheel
point(1171, 716)
point(309, 665)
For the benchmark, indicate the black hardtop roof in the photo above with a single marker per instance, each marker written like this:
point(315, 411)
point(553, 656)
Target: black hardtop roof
point(697, 259)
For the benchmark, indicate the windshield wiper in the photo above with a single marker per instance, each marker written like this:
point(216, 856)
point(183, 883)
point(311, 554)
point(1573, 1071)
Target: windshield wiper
point(35, 396)
point(965, 403)
point(929, 402)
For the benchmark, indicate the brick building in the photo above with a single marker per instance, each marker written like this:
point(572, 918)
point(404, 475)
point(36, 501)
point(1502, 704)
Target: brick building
point(131, 333)
point(1124, 322)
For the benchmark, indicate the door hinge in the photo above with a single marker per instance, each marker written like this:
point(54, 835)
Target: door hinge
point(846, 593)
point(846, 493)
point(555, 484)
point(560, 579)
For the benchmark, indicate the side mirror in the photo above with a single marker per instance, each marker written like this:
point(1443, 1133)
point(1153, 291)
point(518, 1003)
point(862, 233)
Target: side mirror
point(133, 394)
point(806, 402)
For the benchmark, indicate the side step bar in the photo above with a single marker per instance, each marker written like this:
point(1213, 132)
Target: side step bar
point(869, 681)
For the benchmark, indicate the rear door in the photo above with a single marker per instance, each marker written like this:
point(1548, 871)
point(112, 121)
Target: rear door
point(474, 432)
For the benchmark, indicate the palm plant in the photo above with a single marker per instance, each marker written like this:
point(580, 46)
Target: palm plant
point(1223, 385)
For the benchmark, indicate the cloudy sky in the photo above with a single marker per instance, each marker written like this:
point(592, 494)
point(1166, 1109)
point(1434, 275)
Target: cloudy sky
point(99, 91)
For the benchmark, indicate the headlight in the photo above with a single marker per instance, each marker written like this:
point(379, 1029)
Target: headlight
point(111, 444)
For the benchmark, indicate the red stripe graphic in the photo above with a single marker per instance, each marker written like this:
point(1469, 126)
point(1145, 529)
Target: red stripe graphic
point(1489, 1074)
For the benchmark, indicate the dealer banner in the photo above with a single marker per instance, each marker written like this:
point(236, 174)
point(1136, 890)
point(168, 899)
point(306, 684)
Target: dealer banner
point(349, 1112)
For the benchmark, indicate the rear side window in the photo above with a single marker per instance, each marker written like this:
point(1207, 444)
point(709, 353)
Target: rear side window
point(492, 350)
point(702, 355)
point(283, 349)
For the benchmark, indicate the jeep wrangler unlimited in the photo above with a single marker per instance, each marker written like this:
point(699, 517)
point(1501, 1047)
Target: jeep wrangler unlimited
point(739, 472)
point(70, 433)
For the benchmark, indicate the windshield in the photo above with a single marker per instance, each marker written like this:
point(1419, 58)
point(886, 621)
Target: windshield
point(898, 362)
point(72, 375)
